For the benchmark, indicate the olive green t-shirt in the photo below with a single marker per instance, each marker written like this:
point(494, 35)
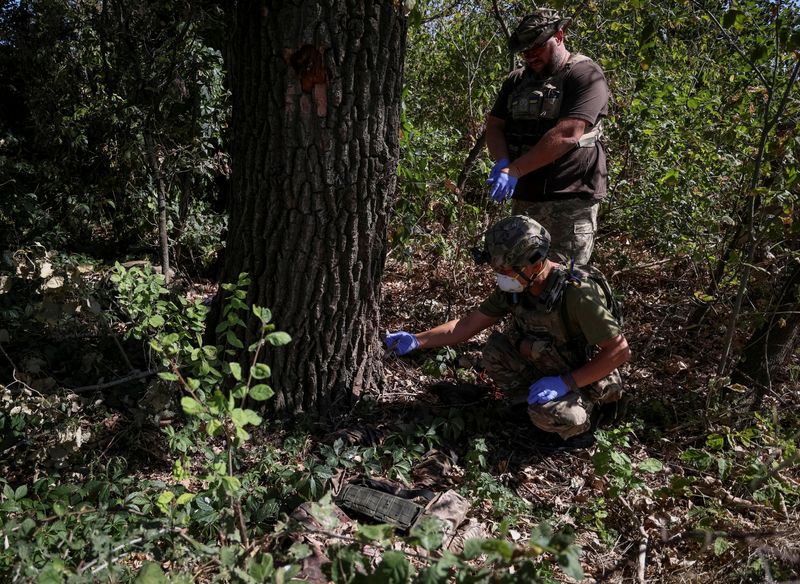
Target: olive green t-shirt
point(586, 311)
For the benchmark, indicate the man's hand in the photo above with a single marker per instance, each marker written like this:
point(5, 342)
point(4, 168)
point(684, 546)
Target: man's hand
point(401, 342)
point(503, 187)
point(498, 166)
point(546, 390)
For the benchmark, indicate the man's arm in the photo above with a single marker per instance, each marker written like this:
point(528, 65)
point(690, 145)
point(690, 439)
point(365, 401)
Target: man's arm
point(456, 331)
point(557, 141)
point(496, 138)
point(613, 353)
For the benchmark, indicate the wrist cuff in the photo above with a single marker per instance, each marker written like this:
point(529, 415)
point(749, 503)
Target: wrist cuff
point(571, 381)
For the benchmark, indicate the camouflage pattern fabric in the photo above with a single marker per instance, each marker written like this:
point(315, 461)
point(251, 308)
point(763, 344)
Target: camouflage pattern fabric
point(568, 416)
point(534, 30)
point(572, 224)
point(516, 241)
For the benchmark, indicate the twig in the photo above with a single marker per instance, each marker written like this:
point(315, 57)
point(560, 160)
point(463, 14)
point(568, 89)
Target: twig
point(765, 563)
point(122, 546)
point(641, 562)
point(120, 381)
point(122, 352)
point(500, 19)
point(733, 43)
point(14, 372)
point(647, 265)
point(730, 499)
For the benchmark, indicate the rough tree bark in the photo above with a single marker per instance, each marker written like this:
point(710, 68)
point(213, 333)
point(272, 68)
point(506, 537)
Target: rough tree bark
point(315, 141)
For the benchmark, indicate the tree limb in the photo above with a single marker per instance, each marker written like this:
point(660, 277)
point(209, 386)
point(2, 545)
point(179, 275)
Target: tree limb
point(120, 381)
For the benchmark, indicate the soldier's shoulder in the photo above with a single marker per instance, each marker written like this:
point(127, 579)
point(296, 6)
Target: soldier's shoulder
point(581, 64)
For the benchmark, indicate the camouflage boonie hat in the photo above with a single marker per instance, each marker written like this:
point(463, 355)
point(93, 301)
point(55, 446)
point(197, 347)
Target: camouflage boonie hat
point(534, 30)
point(516, 241)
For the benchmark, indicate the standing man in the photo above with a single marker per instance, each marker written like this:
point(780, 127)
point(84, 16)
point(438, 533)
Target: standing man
point(544, 134)
point(564, 344)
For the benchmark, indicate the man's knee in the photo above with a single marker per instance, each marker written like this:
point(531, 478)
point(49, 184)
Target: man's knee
point(567, 418)
point(607, 390)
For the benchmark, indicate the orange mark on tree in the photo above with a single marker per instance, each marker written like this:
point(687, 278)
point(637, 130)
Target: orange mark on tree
point(307, 62)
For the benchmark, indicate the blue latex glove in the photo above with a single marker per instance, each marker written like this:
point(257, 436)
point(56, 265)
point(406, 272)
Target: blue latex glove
point(401, 342)
point(498, 166)
point(503, 188)
point(546, 390)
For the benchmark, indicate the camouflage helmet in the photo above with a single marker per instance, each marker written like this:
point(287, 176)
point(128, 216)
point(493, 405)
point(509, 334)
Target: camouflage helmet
point(534, 30)
point(516, 241)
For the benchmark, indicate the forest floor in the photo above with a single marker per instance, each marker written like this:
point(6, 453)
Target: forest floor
point(685, 484)
point(691, 518)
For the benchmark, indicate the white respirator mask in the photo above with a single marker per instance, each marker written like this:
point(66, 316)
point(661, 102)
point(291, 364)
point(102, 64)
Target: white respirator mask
point(508, 284)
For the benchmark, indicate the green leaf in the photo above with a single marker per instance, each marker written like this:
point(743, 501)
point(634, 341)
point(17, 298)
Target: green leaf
point(260, 371)
point(299, 551)
point(242, 417)
point(497, 548)
point(621, 460)
point(191, 406)
point(261, 567)
point(233, 340)
point(185, 498)
point(263, 314)
point(236, 371)
point(651, 465)
point(380, 533)
point(151, 573)
point(261, 392)
point(393, 569)
point(472, 549)
point(168, 376)
point(231, 482)
point(428, 533)
point(21, 491)
point(28, 526)
point(164, 500)
point(715, 441)
point(721, 545)
point(542, 535)
point(570, 563)
point(170, 339)
point(278, 339)
point(730, 17)
point(242, 435)
point(156, 321)
point(213, 427)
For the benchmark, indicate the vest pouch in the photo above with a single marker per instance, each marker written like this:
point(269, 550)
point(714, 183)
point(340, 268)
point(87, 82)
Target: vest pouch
point(551, 104)
point(546, 357)
point(527, 107)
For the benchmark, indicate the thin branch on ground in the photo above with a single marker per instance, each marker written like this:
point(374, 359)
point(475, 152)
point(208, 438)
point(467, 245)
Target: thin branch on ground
point(132, 377)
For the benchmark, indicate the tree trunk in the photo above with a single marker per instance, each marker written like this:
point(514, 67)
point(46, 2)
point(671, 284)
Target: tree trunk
point(315, 142)
point(163, 234)
point(770, 347)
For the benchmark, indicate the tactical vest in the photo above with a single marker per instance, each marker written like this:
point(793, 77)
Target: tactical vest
point(534, 107)
point(555, 349)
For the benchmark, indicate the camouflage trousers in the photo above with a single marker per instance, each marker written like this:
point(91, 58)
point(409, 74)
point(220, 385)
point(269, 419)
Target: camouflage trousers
point(568, 416)
point(572, 224)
